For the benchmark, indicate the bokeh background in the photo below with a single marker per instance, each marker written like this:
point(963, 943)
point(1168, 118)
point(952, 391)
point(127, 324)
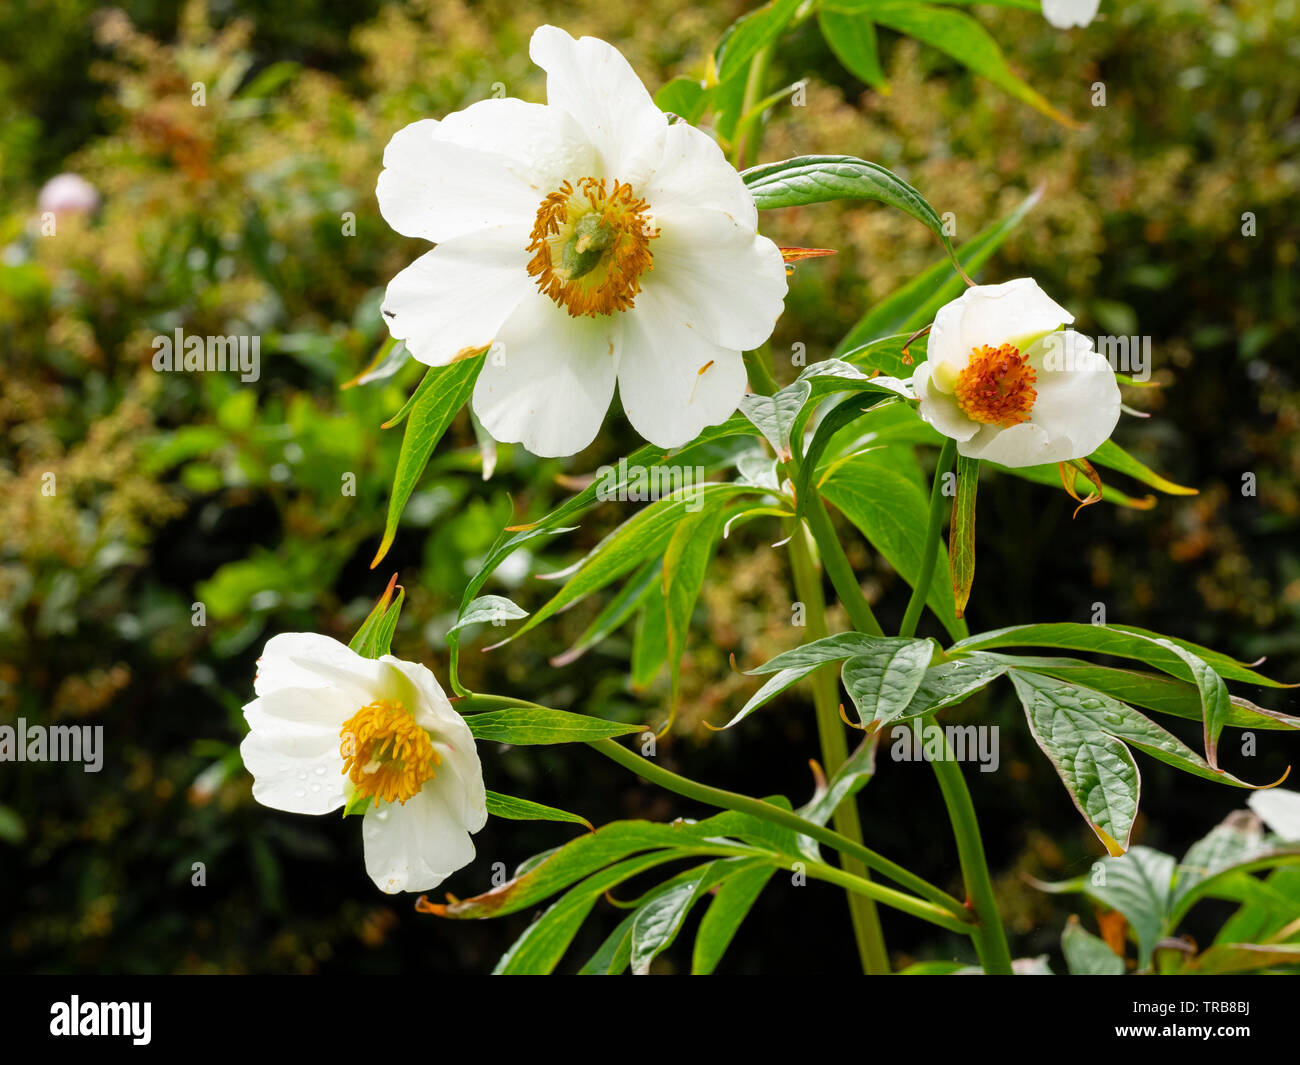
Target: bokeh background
point(177, 489)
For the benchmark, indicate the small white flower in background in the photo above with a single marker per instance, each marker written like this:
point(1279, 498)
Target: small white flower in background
point(588, 241)
point(329, 726)
point(1280, 810)
point(1064, 14)
point(1005, 381)
point(67, 194)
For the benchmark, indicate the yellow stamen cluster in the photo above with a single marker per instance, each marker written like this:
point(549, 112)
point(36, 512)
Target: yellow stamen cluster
point(591, 245)
point(386, 755)
point(997, 386)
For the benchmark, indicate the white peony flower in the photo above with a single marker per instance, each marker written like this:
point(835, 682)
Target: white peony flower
point(1063, 14)
point(68, 194)
point(1009, 385)
point(587, 241)
point(329, 726)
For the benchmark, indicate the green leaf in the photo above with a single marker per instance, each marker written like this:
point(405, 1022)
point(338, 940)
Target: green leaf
point(614, 613)
point(686, 560)
point(729, 908)
point(649, 642)
point(502, 549)
point(1164, 694)
point(437, 400)
point(1139, 886)
point(889, 508)
point(836, 419)
point(1215, 705)
point(853, 40)
point(579, 857)
point(490, 610)
point(660, 918)
point(684, 97)
point(751, 33)
point(957, 35)
point(516, 809)
point(1124, 641)
point(835, 648)
point(849, 779)
point(774, 415)
point(544, 942)
point(375, 637)
point(1114, 457)
point(961, 532)
point(528, 726)
point(1097, 770)
point(642, 536)
point(883, 681)
point(1086, 954)
point(614, 955)
point(951, 682)
point(809, 179)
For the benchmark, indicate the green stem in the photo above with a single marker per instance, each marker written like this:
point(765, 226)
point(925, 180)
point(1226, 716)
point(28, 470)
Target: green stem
point(942, 910)
point(835, 751)
point(746, 137)
point(990, 939)
point(836, 564)
point(760, 374)
point(930, 550)
point(989, 936)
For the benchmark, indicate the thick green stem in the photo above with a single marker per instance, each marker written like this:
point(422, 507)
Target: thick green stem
point(930, 549)
point(942, 910)
point(835, 751)
point(990, 939)
point(837, 567)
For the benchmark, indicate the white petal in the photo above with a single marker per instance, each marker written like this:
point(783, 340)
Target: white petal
point(692, 172)
point(460, 776)
point(1063, 14)
point(1026, 444)
point(1080, 404)
point(716, 277)
point(310, 660)
point(672, 380)
point(489, 164)
point(941, 409)
point(292, 749)
point(1279, 809)
point(549, 378)
point(454, 299)
point(414, 847)
point(592, 81)
point(1015, 312)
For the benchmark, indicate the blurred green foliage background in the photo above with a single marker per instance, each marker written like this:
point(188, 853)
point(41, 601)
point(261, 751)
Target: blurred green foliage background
point(194, 488)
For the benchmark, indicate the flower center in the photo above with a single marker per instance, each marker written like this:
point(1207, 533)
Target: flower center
point(997, 386)
point(591, 245)
point(386, 755)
